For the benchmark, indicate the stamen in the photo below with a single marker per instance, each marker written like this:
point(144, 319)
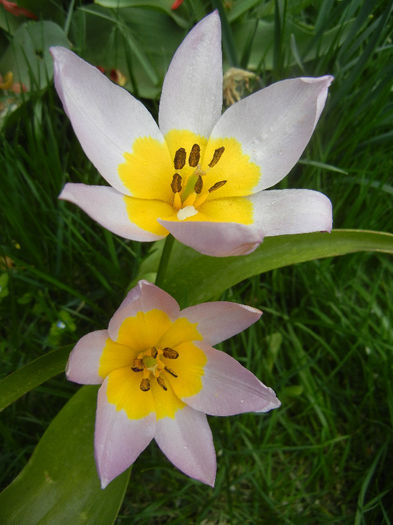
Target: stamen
point(145, 385)
point(180, 159)
point(195, 155)
point(217, 185)
point(170, 353)
point(137, 365)
point(198, 185)
point(216, 156)
point(161, 382)
point(170, 371)
point(176, 183)
point(154, 352)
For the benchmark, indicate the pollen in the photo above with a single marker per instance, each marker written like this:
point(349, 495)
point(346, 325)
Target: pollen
point(216, 156)
point(180, 159)
point(195, 155)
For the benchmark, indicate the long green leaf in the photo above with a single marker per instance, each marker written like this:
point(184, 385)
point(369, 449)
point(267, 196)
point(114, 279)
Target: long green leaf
point(192, 277)
point(32, 375)
point(59, 485)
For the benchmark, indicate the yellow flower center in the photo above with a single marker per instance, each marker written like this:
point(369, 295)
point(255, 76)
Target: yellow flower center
point(152, 364)
point(188, 178)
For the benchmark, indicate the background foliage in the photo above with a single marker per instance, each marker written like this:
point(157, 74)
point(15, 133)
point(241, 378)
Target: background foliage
point(325, 342)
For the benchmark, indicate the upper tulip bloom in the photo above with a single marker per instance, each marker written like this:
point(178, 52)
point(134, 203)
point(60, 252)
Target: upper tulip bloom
point(160, 376)
point(199, 175)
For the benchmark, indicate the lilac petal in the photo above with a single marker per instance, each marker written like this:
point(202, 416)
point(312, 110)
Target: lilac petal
point(275, 124)
point(229, 388)
point(192, 91)
point(118, 440)
point(143, 297)
point(219, 239)
point(108, 207)
point(84, 360)
point(281, 212)
point(187, 442)
point(220, 320)
point(105, 117)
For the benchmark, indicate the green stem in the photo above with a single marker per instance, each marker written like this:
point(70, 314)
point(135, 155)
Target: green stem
point(166, 252)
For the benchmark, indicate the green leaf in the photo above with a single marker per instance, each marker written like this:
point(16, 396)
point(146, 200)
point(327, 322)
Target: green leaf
point(192, 277)
point(32, 375)
point(28, 54)
point(59, 485)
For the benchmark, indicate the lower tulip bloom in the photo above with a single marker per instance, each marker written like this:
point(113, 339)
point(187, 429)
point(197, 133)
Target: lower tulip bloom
point(160, 376)
point(200, 175)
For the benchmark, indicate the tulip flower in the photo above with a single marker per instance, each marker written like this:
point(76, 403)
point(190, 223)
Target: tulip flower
point(159, 378)
point(200, 175)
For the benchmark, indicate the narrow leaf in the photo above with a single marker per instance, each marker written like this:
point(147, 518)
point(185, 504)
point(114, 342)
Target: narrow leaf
point(59, 485)
point(32, 375)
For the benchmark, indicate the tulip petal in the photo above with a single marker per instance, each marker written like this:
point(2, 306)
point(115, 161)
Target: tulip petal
point(84, 360)
point(275, 124)
point(281, 212)
point(108, 207)
point(118, 440)
point(229, 388)
point(192, 91)
point(187, 442)
point(220, 320)
point(143, 297)
point(105, 117)
point(219, 239)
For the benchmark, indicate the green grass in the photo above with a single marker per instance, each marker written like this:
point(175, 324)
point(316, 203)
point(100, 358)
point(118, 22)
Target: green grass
point(325, 341)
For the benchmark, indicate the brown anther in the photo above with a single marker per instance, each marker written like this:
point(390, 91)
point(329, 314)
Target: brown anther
point(176, 183)
point(198, 185)
point(161, 382)
point(170, 353)
point(145, 385)
point(217, 185)
point(137, 365)
point(195, 155)
point(170, 371)
point(180, 159)
point(216, 156)
point(154, 352)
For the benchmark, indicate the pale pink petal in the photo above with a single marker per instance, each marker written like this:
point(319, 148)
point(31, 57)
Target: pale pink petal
point(187, 442)
point(105, 117)
point(219, 239)
point(118, 440)
point(281, 212)
point(220, 320)
point(108, 207)
point(275, 124)
point(143, 297)
point(229, 388)
point(84, 360)
point(192, 91)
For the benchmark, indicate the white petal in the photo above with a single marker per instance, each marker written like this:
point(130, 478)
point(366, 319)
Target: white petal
point(192, 91)
point(229, 388)
point(84, 360)
point(219, 239)
point(108, 207)
point(187, 442)
point(281, 212)
point(105, 117)
point(220, 320)
point(143, 297)
point(275, 124)
point(118, 440)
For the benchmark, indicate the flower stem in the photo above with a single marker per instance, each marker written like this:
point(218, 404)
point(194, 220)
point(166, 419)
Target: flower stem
point(166, 252)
